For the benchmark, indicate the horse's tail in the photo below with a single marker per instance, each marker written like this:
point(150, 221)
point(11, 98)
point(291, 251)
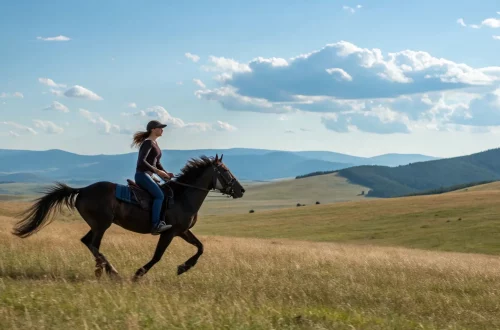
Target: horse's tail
point(40, 213)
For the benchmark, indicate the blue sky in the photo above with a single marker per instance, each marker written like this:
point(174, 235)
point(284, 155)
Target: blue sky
point(358, 77)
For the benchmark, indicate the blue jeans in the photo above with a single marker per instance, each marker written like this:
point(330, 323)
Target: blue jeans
point(147, 182)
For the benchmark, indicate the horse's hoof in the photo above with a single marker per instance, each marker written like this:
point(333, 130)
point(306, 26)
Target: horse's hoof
point(138, 274)
point(115, 276)
point(182, 269)
point(112, 272)
point(98, 272)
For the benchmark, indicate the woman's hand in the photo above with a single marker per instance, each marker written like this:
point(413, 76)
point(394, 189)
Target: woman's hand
point(163, 174)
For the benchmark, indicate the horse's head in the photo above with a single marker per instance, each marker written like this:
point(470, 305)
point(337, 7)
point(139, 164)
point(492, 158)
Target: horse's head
point(224, 180)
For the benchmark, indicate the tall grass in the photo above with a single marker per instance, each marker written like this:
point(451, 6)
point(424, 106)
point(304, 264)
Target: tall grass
point(47, 282)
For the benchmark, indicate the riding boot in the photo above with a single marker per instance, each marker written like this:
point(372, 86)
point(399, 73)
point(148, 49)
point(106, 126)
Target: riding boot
point(163, 213)
point(162, 226)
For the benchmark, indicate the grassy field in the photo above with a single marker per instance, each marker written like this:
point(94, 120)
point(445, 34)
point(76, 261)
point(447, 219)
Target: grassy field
point(346, 265)
point(47, 281)
point(465, 222)
point(19, 191)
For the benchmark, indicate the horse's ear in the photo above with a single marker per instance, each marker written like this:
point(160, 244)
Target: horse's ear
point(216, 158)
point(222, 155)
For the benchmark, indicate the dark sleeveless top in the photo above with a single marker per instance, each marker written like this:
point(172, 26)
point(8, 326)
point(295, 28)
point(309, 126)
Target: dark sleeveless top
point(149, 157)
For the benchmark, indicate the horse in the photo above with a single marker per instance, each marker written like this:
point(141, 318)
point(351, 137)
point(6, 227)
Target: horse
point(102, 204)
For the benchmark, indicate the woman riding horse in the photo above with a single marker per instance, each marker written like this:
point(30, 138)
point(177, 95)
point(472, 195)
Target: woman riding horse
point(148, 162)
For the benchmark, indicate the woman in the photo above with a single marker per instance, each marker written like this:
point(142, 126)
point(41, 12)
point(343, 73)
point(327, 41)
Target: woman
point(148, 162)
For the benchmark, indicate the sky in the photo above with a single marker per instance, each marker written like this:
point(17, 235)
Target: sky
point(358, 77)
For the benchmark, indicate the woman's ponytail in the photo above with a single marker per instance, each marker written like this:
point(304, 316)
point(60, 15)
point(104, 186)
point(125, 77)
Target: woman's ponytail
point(139, 137)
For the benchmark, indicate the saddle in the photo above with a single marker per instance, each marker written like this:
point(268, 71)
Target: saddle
point(144, 198)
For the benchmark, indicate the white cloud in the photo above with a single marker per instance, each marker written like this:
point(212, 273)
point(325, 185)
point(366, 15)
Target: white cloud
point(56, 106)
point(493, 23)
point(192, 57)
point(231, 100)
point(48, 126)
point(58, 38)
point(289, 131)
point(462, 23)
point(12, 133)
point(56, 92)
point(384, 121)
point(223, 126)
point(229, 66)
point(50, 82)
point(360, 89)
point(19, 127)
point(355, 72)
point(179, 83)
point(199, 83)
point(496, 37)
point(103, 126)
point(15, 95)
point(339, 74)
point(483, 110)
point(161, 114)
point(132, 105)
point(82, 92)
point(325, 104)
point(352, 9)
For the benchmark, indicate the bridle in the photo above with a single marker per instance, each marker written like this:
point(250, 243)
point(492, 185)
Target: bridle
point(226, 188)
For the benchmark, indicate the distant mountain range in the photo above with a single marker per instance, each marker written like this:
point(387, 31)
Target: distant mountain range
point(246, 164)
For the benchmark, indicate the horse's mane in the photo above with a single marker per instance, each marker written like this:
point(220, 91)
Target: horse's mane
point(193, 168)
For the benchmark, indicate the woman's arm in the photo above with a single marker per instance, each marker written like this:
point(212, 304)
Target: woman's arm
point(144, 151)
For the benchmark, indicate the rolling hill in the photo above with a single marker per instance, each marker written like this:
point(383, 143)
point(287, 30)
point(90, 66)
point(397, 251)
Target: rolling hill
point(285, 194)
point(385, 181)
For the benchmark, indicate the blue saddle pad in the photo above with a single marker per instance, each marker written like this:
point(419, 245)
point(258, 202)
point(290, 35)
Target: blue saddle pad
point(123, 193)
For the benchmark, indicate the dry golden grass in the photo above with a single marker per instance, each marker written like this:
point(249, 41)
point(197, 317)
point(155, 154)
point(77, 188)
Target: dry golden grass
point(463, 222)
point(47, 282)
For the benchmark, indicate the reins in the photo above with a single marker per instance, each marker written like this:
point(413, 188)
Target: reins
point(189, 185)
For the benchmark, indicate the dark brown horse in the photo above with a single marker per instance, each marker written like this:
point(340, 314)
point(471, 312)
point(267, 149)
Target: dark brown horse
point(99, 207)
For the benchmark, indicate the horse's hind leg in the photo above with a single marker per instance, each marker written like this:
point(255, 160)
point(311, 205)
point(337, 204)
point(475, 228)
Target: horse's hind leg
point(93, 241)
point(87, 240)
point(189, 237)
point(96, 206)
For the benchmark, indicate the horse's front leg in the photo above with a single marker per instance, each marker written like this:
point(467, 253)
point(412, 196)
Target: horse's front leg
point(163, 243)
point(189, 237)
